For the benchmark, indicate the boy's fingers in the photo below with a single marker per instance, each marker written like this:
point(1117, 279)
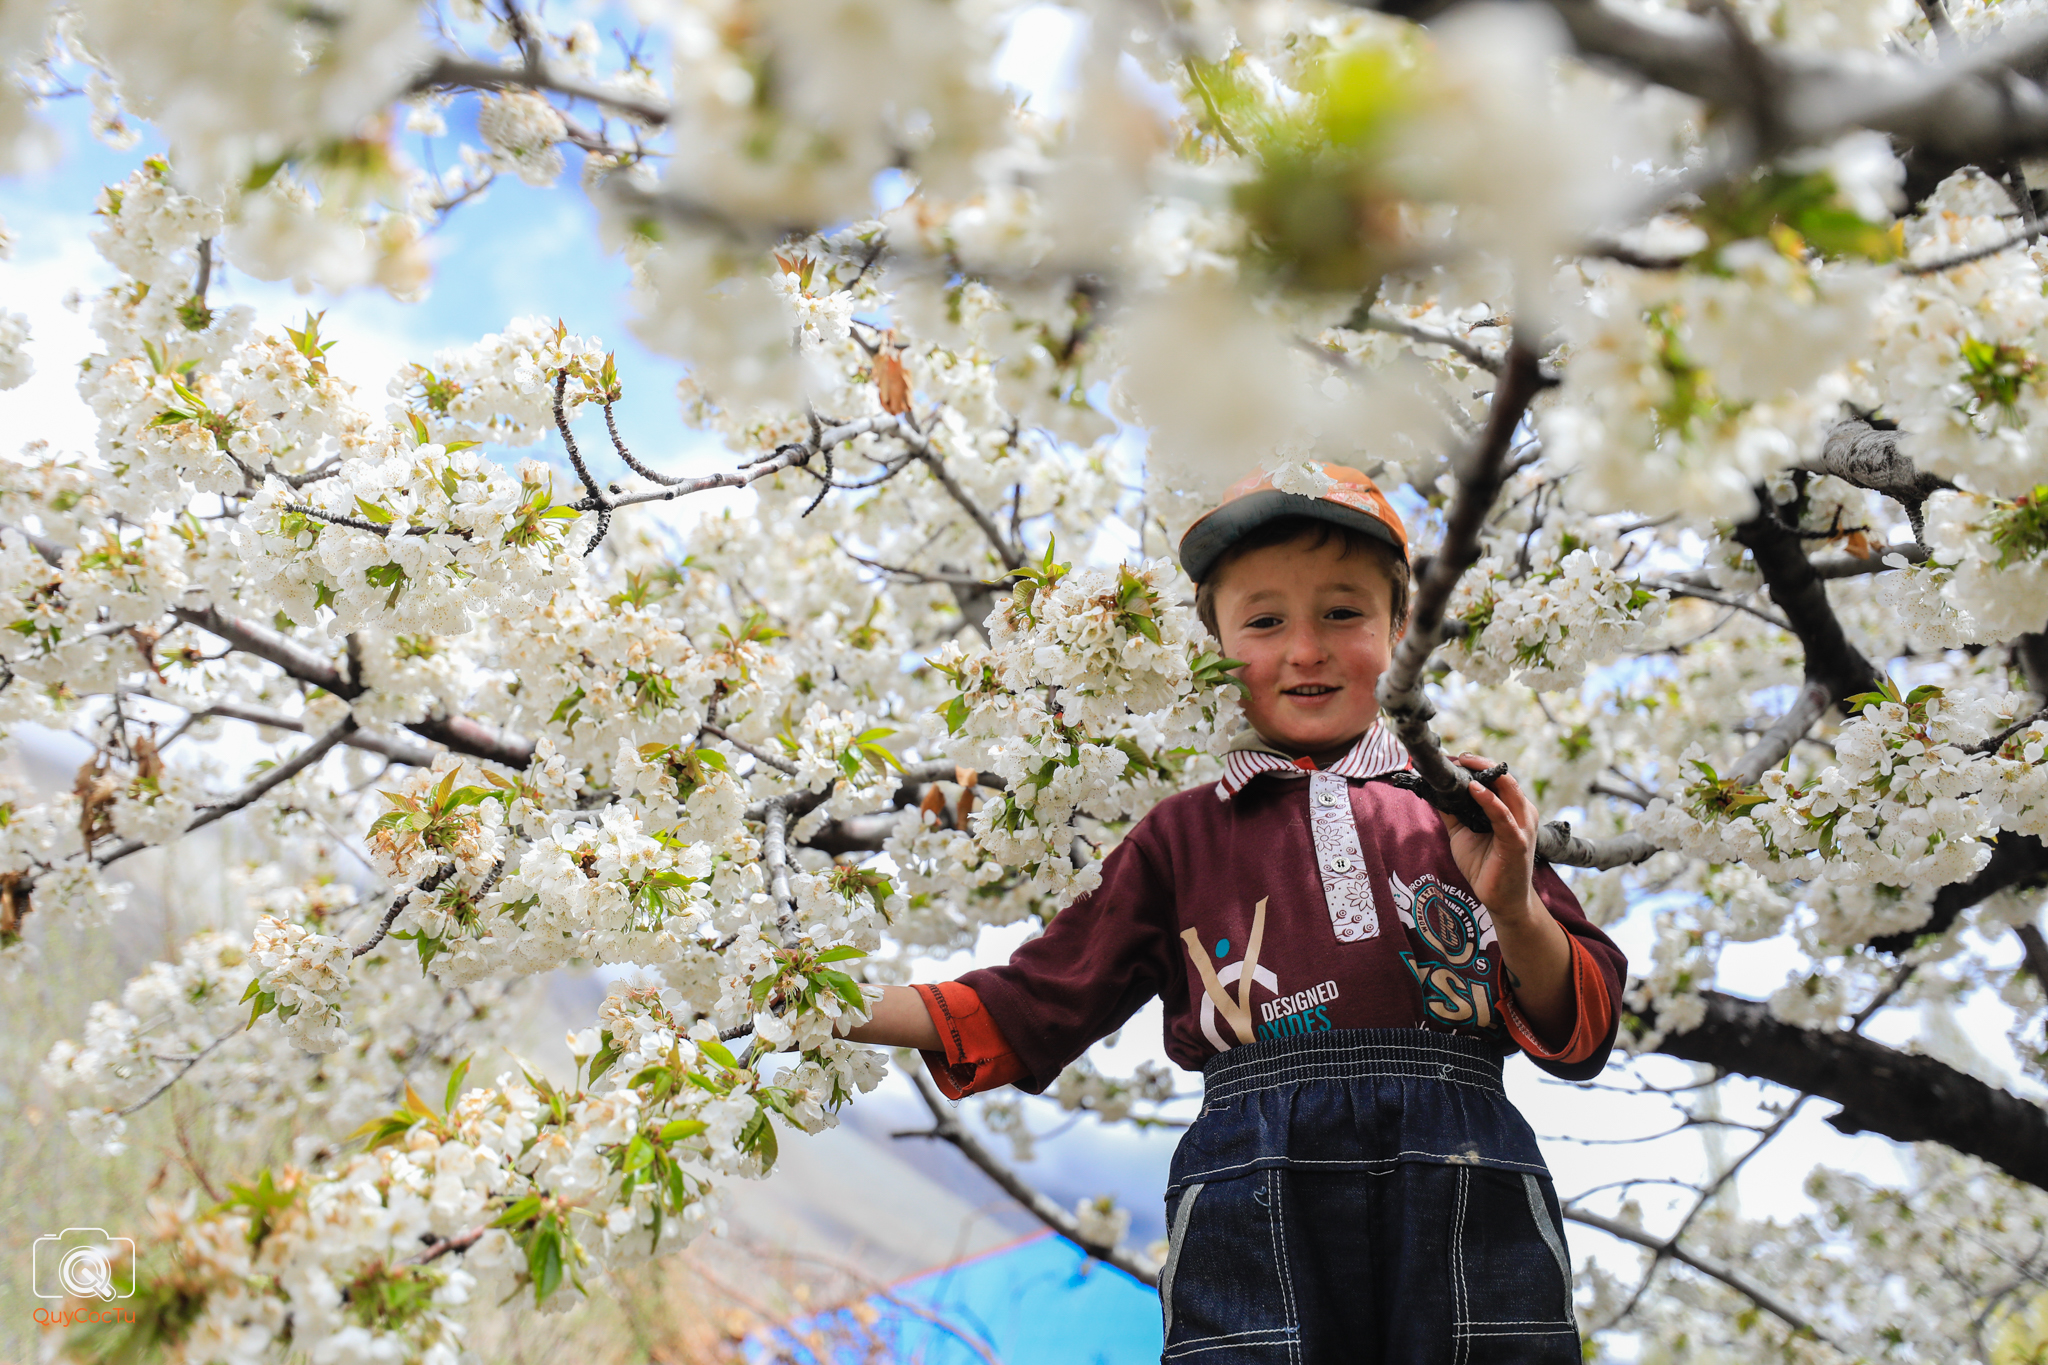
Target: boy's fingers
point(1509, 816)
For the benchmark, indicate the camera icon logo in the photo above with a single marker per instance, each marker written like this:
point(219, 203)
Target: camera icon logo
point(83, 1263)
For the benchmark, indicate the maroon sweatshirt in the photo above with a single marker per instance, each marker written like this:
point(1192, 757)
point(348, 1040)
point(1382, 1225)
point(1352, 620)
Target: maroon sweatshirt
point(1338, 889)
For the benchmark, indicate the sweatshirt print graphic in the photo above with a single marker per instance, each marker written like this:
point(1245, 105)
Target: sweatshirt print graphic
point(1221, 908)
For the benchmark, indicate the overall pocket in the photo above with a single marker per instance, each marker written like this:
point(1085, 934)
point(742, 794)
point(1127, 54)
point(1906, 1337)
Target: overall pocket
point(1226, 1290)
point(1510, 1277)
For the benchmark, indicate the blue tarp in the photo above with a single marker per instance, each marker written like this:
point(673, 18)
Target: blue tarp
point(1040, 1301)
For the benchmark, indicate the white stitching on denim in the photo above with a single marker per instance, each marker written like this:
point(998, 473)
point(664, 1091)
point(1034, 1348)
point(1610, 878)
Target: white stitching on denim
point(1359, 1061)
point(1349, 1062)
point(1540, 1212)
point(1458, 1314)
point(1551, 1330)
point(1173, 1248)
point(1437, 1158)
point(1422, 1046)
point(1177, 1352)
point(1476, 1080)
point(1282, 1332)
point(1519, 1322)
point(1280, 1257)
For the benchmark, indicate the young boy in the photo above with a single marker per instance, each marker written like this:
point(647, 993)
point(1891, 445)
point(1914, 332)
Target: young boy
point(1346, 968)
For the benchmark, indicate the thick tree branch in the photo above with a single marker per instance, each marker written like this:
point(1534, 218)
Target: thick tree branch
point(1973, 108)
point(1869, 457)
point(1401, 695)
point(946, 1127)
point(2016, 860)
point(1904, 1096)
point(1798, 592)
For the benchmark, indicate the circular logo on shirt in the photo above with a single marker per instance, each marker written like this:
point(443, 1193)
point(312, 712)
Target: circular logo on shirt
point(1442, 922)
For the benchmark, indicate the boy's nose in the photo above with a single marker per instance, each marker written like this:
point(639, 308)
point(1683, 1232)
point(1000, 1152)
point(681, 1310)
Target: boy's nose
point(1305, 645)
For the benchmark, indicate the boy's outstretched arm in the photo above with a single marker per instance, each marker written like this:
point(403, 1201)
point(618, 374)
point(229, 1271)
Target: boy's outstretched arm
point(899, 1019)
point(1501, 868)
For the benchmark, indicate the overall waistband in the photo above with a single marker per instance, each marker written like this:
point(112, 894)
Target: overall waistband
point(1351, 1054)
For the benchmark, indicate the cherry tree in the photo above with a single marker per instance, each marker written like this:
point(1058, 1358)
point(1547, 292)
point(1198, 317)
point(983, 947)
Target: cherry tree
point(1703, 348)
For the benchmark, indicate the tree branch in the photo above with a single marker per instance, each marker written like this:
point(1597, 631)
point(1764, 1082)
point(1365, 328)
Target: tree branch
point(2016, 860)
point(1972, 108)
point(459, 734)
point(946, 1127)
point(254, 792)
point(398, 904)
point(1798, 591)
point(1376, 322)
point(390, 746)
point(453, 72)
point(1401, 695)
point(1904, 1096)
point(1670, 1250)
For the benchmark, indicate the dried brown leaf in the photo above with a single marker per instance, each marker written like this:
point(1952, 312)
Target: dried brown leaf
point(892, 381)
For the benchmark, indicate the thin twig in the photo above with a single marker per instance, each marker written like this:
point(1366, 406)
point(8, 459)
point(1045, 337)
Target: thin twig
point(946, 1127)
point(184, 1065)
point(255, 791)
point(398, 904)
point(1756, 1294)
point(758, 755)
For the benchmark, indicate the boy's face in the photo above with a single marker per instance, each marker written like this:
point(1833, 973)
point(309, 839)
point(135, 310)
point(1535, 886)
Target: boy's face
point(1314, 630)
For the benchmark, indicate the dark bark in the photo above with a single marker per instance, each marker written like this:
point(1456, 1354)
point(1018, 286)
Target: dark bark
point(2030, 659)
point(1900, 1095)
point(460, 734)
point(2016, 860)
point(1802, 595)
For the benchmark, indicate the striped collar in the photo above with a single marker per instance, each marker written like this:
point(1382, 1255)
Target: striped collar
point(1376, 753)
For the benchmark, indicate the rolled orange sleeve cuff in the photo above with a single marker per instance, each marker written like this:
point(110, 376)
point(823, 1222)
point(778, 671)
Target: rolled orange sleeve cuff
point(1595, 1014)
point(974, 1056)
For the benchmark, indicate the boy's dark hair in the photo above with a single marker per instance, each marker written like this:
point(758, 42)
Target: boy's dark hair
point(1316, 534)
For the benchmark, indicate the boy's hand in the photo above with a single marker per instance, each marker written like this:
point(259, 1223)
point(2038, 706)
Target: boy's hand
point(1501, 866)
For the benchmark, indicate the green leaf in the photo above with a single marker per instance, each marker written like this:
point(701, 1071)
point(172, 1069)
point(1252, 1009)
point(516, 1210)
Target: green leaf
point(842, 953)
point(382, 516)
point(518, 1212)
point(544, 1259)
point(638, 1154)
point(606, 1055)
point(455, 1080)
point(720, 1053)
point(676, 1129)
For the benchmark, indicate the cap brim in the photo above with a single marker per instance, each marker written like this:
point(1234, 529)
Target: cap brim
point(1208, 538)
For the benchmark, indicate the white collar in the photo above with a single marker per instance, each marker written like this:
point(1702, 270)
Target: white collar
point(1377, 752)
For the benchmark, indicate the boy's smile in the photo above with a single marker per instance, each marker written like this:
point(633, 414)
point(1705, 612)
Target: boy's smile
point(1314, 630)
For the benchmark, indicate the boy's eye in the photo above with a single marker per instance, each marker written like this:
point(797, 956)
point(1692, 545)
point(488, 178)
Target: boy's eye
point(1342, 613)
point(1262, 622)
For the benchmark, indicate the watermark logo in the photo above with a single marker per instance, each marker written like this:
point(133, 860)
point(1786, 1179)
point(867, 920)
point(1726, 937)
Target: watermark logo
point(83, 1263)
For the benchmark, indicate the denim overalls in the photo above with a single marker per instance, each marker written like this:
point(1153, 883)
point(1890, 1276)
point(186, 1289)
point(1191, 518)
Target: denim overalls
point(1366, 1196)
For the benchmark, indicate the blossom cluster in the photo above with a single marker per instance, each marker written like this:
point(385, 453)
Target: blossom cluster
point(1547, 627)
point(1907, 801)
point(1093, 679)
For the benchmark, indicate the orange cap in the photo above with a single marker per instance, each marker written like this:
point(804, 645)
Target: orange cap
point(1352, 501)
